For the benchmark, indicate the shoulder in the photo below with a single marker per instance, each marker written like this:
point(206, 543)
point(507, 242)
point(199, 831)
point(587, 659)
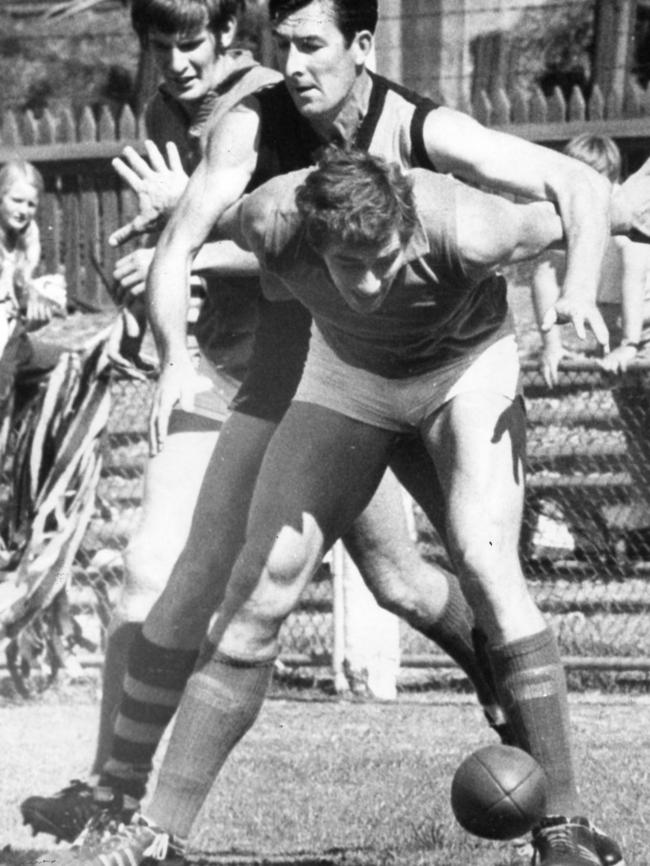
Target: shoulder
point(247, 78)
point(270, 214)
point(437, 199)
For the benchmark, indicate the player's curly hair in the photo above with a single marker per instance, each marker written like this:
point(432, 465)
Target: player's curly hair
point(354, 198)
point(178, 16)
point(351, 15)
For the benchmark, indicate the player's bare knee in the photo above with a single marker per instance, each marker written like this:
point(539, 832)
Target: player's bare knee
point(288, 557)
point(133, 605)
point(284, 573)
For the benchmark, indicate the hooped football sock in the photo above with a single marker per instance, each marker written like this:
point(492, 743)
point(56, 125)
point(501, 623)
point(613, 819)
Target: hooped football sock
point(453, 632)
point(119, 643)
point(221, 702)
point(152, 691)
point(532, 689)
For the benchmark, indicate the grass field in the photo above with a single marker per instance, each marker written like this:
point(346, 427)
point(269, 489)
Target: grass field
point(321, 780)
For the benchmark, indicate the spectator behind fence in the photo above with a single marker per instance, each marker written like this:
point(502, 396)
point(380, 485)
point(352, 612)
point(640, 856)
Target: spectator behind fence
point(624, 302)
point(26, 302)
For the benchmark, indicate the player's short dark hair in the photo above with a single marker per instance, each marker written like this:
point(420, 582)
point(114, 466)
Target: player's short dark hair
point(351, 15)
point(182, 16)
point(598, 151)
point(356, 199)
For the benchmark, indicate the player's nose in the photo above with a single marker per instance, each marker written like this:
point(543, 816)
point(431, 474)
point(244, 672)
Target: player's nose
point(368, 285)
point(293, 63)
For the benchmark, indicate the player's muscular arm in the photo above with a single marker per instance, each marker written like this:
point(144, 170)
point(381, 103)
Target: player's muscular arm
point(456, 143)
point(492, 232)
point(245, 222)
point(218, 181)
point(224, 259)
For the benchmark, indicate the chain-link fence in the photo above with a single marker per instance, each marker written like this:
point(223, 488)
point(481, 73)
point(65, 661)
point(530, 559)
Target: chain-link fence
point(585, 540)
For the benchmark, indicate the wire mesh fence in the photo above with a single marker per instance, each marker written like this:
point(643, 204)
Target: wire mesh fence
point(585, 540)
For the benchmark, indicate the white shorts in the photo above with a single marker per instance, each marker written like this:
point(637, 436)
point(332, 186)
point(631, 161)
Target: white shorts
point(404, 404)
point(214, 401)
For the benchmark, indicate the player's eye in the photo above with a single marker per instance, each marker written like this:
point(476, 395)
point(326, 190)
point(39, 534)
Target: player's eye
point(190, 46)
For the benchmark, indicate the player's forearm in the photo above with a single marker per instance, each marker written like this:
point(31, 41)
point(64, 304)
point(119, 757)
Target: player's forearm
point(167, 300)
point(545, 291)
point(635, 268)
point(583, 199)
point(167, 290)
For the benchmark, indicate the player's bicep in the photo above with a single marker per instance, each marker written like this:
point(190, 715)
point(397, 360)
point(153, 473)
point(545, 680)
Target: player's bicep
point(487, 228)
point(233, 142)
point(458, 144)
point(219, 179)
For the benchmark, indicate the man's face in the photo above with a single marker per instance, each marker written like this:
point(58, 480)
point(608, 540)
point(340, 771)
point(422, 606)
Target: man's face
point(318, 67)
point(188, 62)
point(18, 206)
point(364, 275)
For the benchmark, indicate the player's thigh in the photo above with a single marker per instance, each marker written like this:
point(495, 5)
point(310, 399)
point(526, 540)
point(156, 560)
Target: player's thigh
point(219, 520)
point(172, 482)
point(218, 523)
point(415, 470)
point(322, 463)
point(379, 540)
point(477, 442)
point(319, 472)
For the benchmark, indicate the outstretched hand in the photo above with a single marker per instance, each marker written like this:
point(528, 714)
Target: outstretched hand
point(582, 315)
point(158, 184)
point(618, 360)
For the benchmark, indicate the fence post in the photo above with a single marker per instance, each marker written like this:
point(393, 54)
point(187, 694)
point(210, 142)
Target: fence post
point(366, 653)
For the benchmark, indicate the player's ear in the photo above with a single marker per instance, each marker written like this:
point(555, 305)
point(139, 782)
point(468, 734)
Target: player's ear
point(227, 35)
point(362, 47)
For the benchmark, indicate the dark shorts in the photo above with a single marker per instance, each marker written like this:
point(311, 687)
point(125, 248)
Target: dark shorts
point(277, 360)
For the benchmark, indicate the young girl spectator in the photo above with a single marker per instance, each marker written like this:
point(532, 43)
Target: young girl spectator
point(26, 301)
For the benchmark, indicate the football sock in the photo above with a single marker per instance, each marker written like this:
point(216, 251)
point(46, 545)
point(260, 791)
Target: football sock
point(532, 689)
point(153, 688)
point(221, 702)
point(118, 646)
point(453, 632)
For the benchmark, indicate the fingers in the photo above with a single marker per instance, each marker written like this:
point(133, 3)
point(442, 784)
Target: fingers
point(597, 324)
point(174, 158)
point(550, 318)
point(581, 316)
point(133, 268)
point(156, 158)
point(139, 166)
point(127, 174)
point(124, 233)
point(158, 424)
